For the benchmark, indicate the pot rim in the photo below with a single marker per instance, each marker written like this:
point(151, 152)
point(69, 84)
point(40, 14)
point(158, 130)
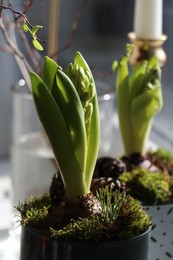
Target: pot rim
point(72, 242)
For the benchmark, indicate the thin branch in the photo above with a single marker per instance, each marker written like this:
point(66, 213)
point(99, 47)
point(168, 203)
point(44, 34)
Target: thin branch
point(12, 48)
point(17, 12)
point(74, 27)
point(13, 44)
point(1, 2)
point(33, 54)
point(32, 57)
point(6, 48)
point(21, 14)
point(9, 2)
point(20, 59)
point(26, 6)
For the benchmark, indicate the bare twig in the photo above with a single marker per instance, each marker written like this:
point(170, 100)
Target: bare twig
point(6, 48)
point(12, 48)
point(26, 6)
point(19, 57)
point(9, 2)
point(1, 2)
point(32, 57)
point(10, 39)
point(20, 14)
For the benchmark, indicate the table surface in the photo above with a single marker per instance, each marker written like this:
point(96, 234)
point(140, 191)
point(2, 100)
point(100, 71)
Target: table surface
point(7, 238)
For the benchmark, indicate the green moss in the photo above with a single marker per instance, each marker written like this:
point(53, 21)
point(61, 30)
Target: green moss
point(135, 221)
point(121, 217)
point(87, 229)
point(165, 155)
point(147, 186)
point(35, 213)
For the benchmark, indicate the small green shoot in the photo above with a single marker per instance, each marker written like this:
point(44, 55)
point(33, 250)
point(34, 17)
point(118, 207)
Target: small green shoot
point(111, 203)
point(33, 32)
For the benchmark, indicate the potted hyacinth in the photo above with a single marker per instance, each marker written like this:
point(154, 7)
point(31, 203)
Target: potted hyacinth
point(148, 174)
point(71, 222)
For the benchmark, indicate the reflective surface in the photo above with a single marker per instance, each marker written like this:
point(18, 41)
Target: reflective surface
point(34, 246)
point(110, 141)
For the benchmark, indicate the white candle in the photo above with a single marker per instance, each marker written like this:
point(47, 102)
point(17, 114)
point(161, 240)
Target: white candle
point(148, 19)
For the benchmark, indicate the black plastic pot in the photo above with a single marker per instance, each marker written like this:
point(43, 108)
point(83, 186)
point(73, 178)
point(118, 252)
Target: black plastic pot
point(37, 247)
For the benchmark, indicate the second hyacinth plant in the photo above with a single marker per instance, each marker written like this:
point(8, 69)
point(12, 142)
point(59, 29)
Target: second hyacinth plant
point(139, 97)
point(146, 172)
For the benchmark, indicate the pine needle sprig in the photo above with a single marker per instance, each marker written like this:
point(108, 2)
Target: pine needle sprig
point(111, 203)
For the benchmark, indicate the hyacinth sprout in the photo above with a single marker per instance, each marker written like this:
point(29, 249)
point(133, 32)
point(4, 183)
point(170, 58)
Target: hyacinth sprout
point(66, 102)
point(139, 98)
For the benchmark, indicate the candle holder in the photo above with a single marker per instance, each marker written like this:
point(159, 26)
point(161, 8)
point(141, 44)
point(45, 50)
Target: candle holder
point(144, 49)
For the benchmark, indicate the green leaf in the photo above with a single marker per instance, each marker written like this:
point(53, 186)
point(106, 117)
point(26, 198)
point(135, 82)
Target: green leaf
point(123, 104)
point(114, 65)
point(25, 27)
point(35, 29)
point(49, 71)
point(148, 104)
point(37, 45)
point(129, 48)
point(68, 100)
point(81, 62)
point(137, 79)
point(144, 108)
point(93, 138)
